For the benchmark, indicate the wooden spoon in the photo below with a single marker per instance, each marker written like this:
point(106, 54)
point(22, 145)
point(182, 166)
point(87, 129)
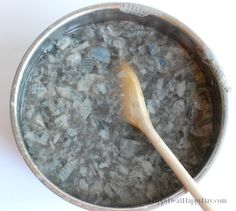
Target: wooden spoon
point(134, 111)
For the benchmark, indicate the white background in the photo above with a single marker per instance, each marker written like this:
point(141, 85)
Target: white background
point(22, 21)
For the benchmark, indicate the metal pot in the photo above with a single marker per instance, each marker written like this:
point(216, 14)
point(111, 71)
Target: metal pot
point(143, 15)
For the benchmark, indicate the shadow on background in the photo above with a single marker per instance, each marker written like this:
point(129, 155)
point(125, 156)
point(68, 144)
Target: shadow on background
point(12, 48)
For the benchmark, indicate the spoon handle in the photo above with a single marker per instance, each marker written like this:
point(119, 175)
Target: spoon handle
point(181, 173)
